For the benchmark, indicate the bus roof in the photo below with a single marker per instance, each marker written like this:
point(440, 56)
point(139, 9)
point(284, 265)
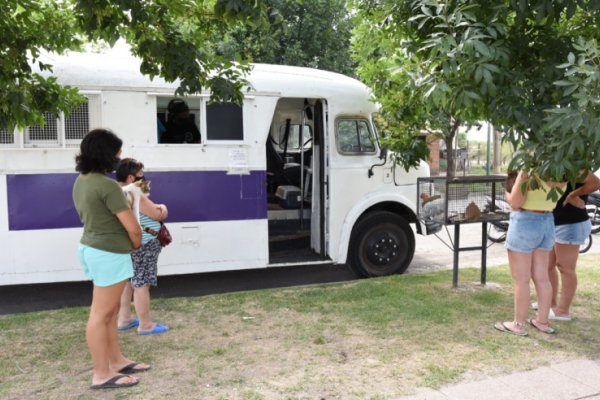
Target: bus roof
point(97, 71)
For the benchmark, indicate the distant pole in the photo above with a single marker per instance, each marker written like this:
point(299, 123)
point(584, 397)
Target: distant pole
point(489, 139)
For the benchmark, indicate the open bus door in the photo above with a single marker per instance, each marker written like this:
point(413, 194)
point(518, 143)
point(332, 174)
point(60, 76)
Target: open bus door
point(318, 217)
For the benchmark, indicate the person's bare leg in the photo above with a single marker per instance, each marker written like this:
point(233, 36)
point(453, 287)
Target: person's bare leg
point(101, 333)
point(553, 276)
point(542, 284)
point(520, 269)
point(566, 256)
point(141, 301)
point(125, 314)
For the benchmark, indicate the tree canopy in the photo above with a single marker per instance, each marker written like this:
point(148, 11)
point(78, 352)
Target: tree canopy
point(304, 33)
point(530, 67)
point(172, 38)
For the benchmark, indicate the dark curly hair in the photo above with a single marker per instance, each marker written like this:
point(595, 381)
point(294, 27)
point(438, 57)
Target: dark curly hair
point(98, 152)
point(126, 167)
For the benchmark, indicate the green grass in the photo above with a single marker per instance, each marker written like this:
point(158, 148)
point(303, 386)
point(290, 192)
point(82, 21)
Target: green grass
point(376, 338)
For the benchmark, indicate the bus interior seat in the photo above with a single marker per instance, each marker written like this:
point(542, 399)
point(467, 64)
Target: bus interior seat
point(281, 173)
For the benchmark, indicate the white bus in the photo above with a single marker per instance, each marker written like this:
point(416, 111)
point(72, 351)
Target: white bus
point(294, 175)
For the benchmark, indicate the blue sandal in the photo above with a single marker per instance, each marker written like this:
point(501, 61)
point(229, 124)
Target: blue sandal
point(130, 325)
point(158, 328)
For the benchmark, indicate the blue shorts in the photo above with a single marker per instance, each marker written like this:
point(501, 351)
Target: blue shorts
point(103, 267)
point(575, 233)
point(528, 231)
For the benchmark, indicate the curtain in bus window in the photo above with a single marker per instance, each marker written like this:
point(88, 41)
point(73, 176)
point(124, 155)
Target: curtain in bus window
point(224, 122)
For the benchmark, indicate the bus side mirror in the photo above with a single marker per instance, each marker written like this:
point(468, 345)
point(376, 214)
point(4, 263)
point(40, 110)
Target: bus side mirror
point(383, 153)
point(384, 150)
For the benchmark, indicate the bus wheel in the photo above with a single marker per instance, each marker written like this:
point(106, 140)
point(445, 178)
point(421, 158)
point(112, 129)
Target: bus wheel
point(382, 243)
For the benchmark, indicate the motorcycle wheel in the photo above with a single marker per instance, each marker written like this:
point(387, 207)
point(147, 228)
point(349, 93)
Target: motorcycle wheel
point(496, 234)
point(586, 245)
point(594, 214)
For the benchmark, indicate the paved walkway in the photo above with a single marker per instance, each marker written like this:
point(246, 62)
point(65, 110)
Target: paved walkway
point(573, 380)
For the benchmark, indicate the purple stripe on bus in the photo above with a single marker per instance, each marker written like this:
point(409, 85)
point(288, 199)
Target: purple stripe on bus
point(44, 201)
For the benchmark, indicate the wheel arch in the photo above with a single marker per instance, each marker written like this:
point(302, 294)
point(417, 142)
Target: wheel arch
point(399, 205)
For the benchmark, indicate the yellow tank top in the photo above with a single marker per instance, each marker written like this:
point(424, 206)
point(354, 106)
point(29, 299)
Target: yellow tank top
point(537, 199)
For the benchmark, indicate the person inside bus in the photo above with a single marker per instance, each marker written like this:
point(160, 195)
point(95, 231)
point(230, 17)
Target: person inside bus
point(180, 127)
point(145, 259)
point(110, 234)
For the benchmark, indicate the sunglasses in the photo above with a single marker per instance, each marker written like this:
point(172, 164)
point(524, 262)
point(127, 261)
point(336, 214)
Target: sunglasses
point(139, 178)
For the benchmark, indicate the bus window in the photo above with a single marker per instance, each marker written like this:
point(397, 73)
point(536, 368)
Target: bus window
point(224, 122)
point(293, 143)
point(180, 124)
point(6, 137)
point(77, 124)
point(354, 137)
point(43, 136)
point(62, 130)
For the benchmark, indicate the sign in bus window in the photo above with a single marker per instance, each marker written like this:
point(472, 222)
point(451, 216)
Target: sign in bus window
point(354, 136)
point(224, 122)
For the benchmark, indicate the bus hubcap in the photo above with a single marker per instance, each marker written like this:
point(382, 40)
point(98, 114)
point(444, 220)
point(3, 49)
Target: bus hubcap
point(383, 250)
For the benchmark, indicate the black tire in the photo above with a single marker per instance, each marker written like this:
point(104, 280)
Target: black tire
point(586, 245)
point(382, 243)
point(496, 234)
point(594, 214)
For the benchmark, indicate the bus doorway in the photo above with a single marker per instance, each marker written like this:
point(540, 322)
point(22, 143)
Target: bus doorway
point(295, 181)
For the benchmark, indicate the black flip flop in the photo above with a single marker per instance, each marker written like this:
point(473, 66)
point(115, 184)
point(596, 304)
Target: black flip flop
point(112, 383)
point(131, 369)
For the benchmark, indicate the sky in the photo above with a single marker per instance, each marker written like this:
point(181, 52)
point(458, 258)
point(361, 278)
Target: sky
point(478, 135)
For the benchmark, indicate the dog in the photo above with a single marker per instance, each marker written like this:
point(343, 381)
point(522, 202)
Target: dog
point(134, 192)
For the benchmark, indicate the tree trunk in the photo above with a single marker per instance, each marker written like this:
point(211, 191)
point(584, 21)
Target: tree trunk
point(450, 155)
point(497, 163)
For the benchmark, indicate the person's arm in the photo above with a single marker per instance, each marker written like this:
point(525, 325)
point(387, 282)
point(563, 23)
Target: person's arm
point(590, 185)
point(516, 197)
point(155, 211)
point(130, 223)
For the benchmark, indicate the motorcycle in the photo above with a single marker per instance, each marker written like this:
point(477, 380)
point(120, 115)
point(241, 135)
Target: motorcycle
point(497, 229)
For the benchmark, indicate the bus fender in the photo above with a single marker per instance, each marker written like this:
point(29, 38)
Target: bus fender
point(370, 200)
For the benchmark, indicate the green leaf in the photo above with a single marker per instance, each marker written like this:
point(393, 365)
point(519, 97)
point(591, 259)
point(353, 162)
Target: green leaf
point(478, 73)
point(482, 48)
point(570, 90)
point(563, 83)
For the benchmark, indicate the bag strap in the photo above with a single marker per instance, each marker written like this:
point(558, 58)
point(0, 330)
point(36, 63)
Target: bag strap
point(150, 231)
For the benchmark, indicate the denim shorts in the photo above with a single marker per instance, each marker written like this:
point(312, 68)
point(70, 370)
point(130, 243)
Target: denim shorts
point(528, 231)
point(575, 233)
point(103, 267)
